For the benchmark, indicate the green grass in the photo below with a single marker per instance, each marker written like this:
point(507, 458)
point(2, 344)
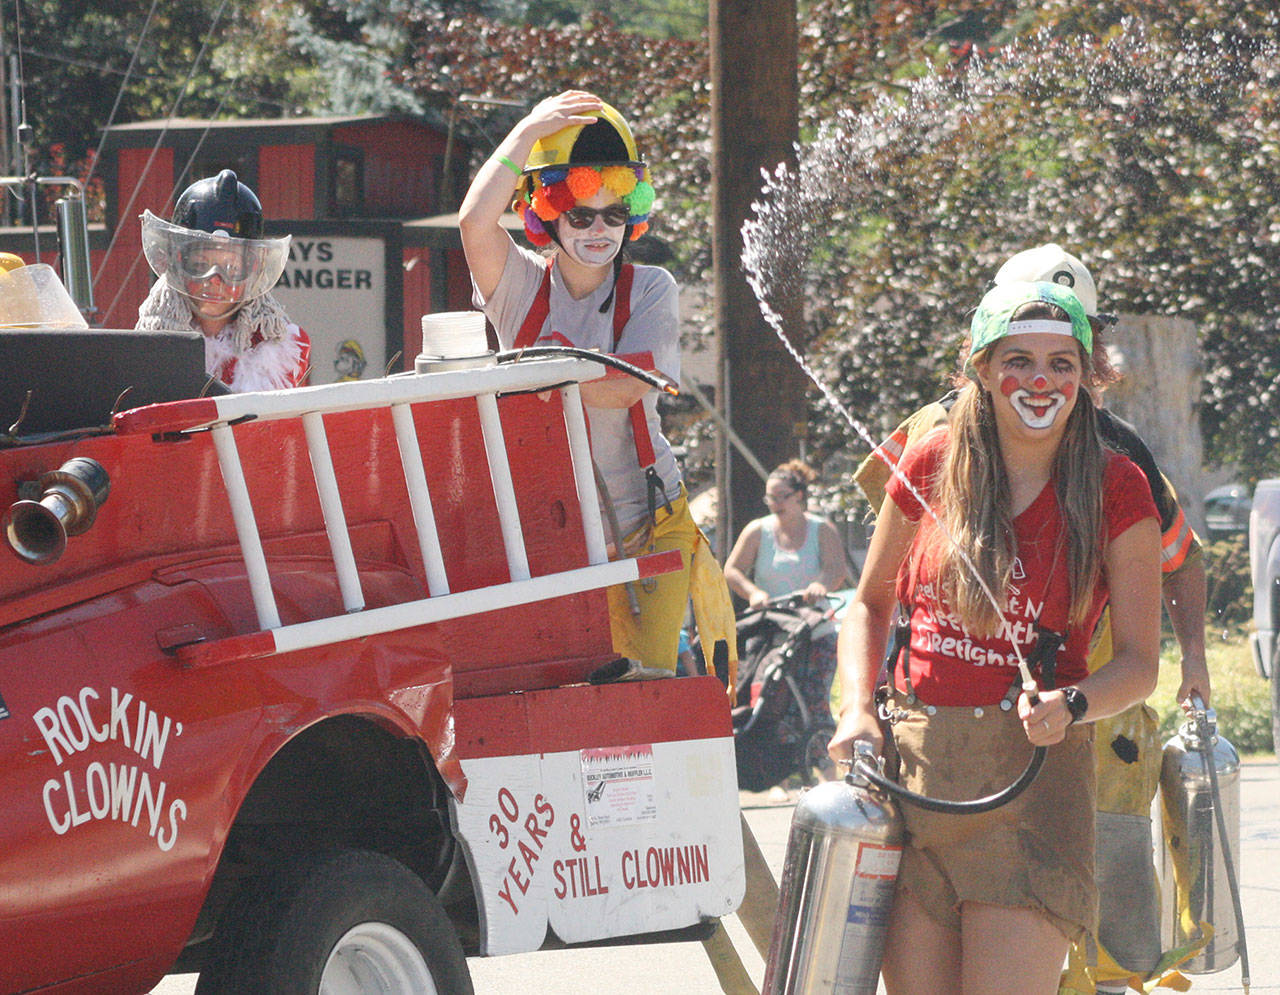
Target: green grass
point(1241, 698)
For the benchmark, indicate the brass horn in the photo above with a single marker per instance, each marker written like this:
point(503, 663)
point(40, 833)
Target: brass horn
point(71, 495)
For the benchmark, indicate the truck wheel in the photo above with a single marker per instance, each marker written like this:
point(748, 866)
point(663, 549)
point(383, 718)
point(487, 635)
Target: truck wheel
point(342, 923)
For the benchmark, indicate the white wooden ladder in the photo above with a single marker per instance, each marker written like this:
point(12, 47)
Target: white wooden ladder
point(221, 416)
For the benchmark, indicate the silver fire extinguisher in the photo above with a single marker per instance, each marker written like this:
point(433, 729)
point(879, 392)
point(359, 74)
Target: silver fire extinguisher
point(1200, 823)
point(837, 889)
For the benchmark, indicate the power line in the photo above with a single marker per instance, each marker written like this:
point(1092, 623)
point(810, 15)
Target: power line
point(150, 76)
point(173, 111)
point(133, 59)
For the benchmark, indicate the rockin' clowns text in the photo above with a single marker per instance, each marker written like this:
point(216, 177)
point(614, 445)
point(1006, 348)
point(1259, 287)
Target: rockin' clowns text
point(126, 792)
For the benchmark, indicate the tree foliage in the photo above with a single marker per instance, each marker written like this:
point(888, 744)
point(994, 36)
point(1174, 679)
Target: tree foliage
point(86, 64)
point(1152, 155)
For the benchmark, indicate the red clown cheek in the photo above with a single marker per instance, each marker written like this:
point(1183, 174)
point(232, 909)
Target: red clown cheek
point(1008, 385)
point(1069, 391)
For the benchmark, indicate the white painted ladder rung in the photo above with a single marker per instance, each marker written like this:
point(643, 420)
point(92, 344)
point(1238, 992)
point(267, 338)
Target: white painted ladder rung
point(575, 423)
point(255, 561)
point(504, 491)
point(420, 500)
point(335, 519)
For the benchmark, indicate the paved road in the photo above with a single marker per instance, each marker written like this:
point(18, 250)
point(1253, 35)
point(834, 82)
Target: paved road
point(682, 968)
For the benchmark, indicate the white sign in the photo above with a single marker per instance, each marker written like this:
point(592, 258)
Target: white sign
point(335, 287)
point(538, 861)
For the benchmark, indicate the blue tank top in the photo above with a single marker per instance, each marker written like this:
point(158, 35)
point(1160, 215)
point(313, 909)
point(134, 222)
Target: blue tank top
point(781, 571)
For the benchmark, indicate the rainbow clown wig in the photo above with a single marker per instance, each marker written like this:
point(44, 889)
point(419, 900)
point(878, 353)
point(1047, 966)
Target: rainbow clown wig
point(573, 165)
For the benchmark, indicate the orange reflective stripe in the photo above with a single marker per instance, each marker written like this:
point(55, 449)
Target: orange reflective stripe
point(891, 449)
point(1176, 544)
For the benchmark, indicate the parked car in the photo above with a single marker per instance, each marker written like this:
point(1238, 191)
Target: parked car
point(1226, 511)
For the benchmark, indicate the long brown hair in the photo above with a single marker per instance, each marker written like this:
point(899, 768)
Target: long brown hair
point(972, 495)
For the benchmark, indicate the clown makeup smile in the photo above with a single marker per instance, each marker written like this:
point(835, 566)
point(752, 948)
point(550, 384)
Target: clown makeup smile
point(1036, 409)
point(594, 246)
point(1040, 380)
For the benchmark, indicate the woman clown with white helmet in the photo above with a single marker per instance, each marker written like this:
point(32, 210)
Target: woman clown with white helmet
point(1128, 946)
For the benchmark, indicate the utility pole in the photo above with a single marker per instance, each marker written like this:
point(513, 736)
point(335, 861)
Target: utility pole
point(754, 125)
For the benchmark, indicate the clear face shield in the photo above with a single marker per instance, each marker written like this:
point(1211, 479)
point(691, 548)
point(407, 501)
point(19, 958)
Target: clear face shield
point(212, 267)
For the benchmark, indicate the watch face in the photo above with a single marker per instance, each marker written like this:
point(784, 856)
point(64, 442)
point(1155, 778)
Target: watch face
point(1077, 704)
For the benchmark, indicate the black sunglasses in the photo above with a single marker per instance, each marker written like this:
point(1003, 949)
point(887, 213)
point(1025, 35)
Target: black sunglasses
point(615, 216)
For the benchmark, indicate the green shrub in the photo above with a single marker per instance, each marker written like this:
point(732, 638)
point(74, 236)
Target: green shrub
point(1230, 588)
point(1240, 696)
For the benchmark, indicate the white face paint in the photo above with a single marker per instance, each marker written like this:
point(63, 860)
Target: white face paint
point(1038, 374)
point(591, 247)
point(597, 244)
point(1037, 410)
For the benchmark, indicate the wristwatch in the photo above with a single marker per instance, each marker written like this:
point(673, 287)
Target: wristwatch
point(1077, 703)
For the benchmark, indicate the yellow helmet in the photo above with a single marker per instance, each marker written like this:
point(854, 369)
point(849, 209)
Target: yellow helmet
point(573, 164)
point(606, 142)
point(9, 261)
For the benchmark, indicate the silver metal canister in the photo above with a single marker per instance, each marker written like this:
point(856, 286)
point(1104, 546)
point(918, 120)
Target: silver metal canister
point(836, 893)
point(1195, 872)
point(73, 237)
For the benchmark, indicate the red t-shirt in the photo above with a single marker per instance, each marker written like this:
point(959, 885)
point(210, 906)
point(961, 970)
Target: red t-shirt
point(950, 667)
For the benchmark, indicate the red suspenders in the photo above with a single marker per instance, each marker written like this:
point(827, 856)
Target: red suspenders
point(531, 328)
point(537, 316)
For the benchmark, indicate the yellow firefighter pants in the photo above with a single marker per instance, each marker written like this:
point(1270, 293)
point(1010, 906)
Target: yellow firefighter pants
point(1127, 761)
point(653, 635)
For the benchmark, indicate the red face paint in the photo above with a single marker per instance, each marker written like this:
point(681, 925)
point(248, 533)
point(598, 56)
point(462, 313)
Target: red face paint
point(1008, 385)
point(1040, 382)
point(1068, 389)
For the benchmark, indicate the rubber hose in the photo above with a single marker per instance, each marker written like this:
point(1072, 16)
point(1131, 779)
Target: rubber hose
point(533, 352)
point(1211, 768)
point(872, 773)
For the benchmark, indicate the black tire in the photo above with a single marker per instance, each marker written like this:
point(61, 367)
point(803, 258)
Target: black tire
point(278, 934)
point(815, 764)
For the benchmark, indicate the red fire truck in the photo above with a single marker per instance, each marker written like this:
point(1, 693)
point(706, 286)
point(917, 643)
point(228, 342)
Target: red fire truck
point(295, 685)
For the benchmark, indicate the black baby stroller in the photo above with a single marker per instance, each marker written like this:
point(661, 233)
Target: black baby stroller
point(781, 715)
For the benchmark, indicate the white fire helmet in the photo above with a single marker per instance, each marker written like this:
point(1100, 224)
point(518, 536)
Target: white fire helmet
point(1051, 263)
